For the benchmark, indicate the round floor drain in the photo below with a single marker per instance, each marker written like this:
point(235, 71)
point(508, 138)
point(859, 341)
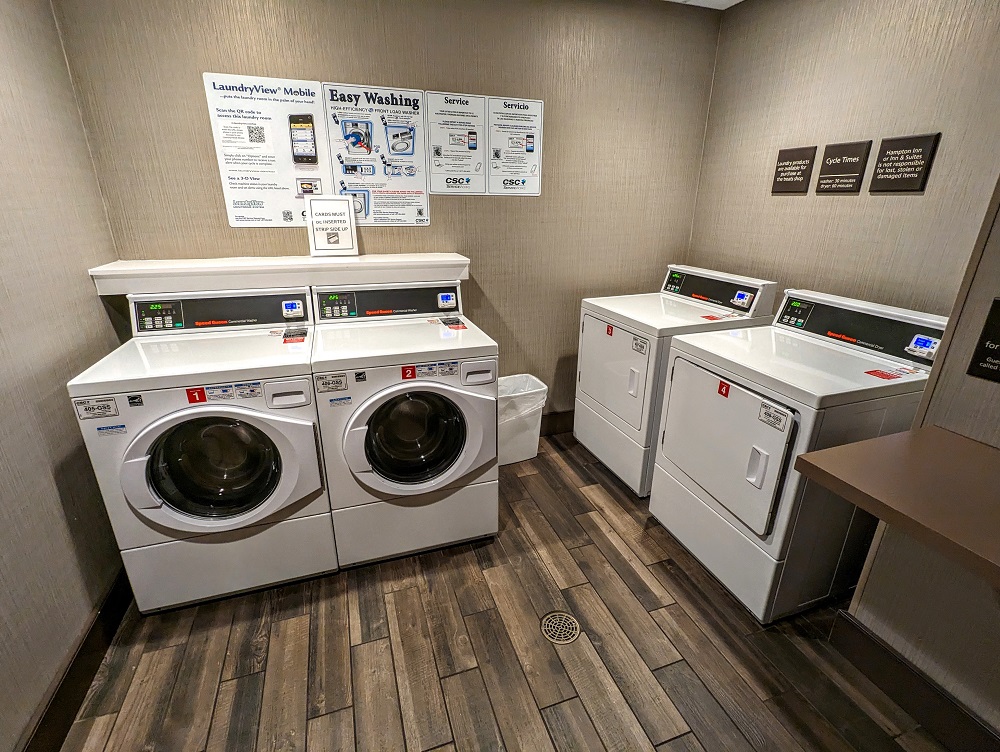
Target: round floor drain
point(560, 627)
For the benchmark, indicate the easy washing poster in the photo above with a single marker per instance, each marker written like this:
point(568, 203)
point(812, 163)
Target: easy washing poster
point(378, 152)
point(271, 145)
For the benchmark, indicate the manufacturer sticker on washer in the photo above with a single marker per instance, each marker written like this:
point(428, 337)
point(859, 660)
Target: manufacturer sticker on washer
point(639, 345)
point(248, 390)
point(331, 382)
point(222, 392)
point(773, 416)
point(96, 407)
point(448, 369)
point(427, 370)
point(135, 400)
point(340, 401)
point(111, 430)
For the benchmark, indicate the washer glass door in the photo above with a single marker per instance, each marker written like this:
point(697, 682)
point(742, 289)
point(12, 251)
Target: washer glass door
point(415, 437)
point(213, 467)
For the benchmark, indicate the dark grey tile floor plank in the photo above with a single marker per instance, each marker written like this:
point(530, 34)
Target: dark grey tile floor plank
point(333, 732)
point(850, 721)
point(516, 714)
point(686, 743)
point(802, 720)
point(556, 511)
point(89, 734)
point(236, 715)
point(247, 651)
point(571, 728)
point(746, 709)
point(366, 606)
point(472, 721)
point(543, 591)
point(329, 646)
point(107, 691)
point(714, 729)
point(378, 725)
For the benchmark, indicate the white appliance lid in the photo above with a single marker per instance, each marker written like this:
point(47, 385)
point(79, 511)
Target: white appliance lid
point(659, 314)
point(368, 344)
point(199, 359)
point(811, 371)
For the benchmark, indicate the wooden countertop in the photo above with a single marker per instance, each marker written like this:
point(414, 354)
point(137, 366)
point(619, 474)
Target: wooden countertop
point(941, 488)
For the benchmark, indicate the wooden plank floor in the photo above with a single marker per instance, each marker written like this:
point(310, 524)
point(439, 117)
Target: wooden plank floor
point(442, 650)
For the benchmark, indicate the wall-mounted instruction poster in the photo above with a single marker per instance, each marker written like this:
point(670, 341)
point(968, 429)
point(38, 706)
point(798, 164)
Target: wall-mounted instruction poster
point(515, 146)
point(456, 123)
point(377, 147)
point(270, 140)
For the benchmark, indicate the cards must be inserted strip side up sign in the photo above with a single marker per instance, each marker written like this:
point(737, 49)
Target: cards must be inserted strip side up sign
point(793, 170)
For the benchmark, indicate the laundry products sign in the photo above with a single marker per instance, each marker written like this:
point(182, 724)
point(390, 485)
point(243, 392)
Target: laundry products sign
point(270, 143)
point(377, 146)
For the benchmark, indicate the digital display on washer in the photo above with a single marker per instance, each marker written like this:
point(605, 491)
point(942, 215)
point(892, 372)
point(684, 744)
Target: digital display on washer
point(153, 315)
point(733, 295)
point(901, 339)
point(371, 304)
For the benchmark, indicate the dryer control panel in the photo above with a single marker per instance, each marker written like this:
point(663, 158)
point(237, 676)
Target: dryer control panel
point(894, 332)
point(345, 304)
point(153, 314)
point(739, 294)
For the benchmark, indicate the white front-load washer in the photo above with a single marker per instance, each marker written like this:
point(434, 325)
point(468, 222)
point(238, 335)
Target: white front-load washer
point(202, 430)
point(740, 406)
point(407, 394)
point(624, 342)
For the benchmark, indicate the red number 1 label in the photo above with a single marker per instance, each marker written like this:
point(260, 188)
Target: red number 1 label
point(409, 372)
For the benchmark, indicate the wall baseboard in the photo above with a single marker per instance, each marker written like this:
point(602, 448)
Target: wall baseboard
point(553, 423)
point(65, 702)
point(940, 714)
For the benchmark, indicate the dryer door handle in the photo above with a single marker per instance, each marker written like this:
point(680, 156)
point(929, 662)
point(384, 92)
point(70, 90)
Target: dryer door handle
point(757, 466)
point(633, 382)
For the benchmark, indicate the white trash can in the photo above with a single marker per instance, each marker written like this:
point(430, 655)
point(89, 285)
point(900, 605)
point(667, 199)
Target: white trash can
point(520, 400)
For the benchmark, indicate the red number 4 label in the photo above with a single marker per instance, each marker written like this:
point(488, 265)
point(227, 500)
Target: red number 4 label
point(724, 389)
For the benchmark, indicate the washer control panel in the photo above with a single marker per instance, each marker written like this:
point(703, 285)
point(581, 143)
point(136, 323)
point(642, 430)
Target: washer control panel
point(338, 304)
point(258, 308)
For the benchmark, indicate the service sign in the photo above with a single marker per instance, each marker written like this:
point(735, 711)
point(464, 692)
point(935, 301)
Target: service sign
point(515, 153)
point(456, 141)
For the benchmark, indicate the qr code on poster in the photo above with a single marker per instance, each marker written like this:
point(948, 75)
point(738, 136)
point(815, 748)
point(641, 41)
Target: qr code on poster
point(256, 134)
point(287, 215)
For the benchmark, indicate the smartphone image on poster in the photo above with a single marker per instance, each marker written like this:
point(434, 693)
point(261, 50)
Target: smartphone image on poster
point(473, 140)
point(529, 143)
point(302, 132)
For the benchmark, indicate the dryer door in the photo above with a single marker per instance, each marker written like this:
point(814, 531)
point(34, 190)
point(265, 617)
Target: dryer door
point(729, 440)
point(210, 469)
point(420, 436)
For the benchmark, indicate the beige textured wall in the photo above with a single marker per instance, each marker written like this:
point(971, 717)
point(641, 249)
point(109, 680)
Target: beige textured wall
point(57, 556)
point(617, 196)
point(803, 72)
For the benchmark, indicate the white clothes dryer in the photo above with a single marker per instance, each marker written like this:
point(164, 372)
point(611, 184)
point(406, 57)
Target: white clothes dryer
point(624, 342)
point(741, 405)
point(407, 392)
point(205, 445)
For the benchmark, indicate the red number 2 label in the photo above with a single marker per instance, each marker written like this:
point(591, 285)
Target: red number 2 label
point(409, 372)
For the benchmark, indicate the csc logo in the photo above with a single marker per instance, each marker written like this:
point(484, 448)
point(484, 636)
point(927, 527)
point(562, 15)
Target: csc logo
point(457, 181)
point(514, 182)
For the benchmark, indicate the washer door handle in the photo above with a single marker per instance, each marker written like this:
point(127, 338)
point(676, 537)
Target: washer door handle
point(135, 487)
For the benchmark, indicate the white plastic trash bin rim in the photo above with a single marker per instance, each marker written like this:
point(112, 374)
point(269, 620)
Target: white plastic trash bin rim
point(519, 395)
